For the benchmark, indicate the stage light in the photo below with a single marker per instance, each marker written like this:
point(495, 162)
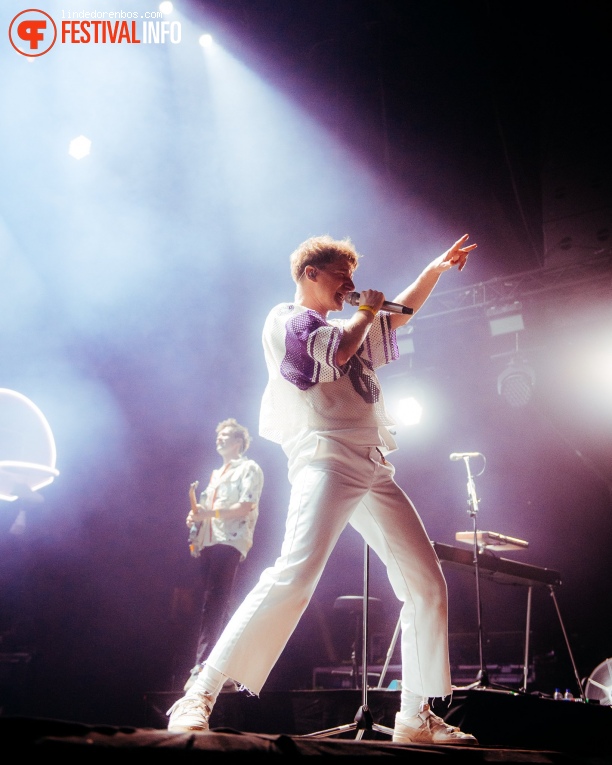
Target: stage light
point(405, 399)
point(27, 448)
point(166, 8)
point(409, 411)
point(515, 384)
point(505, 319)
point(205, 41)
point(79, 147)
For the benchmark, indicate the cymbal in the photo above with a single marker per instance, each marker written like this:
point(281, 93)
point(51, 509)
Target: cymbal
point(491, 540)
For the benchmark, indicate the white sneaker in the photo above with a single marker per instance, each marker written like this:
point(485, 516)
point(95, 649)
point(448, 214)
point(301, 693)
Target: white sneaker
point(190, 713)
point(193, 676)
point(428, 728)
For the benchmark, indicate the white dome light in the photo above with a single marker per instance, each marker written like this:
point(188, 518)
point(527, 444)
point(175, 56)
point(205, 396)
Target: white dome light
point(79, 147)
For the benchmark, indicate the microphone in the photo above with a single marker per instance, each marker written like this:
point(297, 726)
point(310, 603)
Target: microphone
point(460, 455)
point(353, 299)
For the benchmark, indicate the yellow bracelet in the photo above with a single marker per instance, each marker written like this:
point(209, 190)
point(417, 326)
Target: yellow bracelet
point(217, 514)
point(369, 308)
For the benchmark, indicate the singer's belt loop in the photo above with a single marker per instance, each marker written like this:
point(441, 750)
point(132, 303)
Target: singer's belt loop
point(382, 456)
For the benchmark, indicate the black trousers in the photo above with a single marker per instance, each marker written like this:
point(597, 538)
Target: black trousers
point(218, 569)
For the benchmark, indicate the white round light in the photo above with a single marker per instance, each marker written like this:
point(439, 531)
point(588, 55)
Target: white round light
point(79, 147)
point(409, 411)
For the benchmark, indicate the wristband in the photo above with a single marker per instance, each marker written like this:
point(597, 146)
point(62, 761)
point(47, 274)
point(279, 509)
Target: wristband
point(369, 308)
point(217, 514)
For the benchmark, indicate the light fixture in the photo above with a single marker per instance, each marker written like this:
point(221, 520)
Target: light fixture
point(166, 7)
point(505, 319)
point(409, 411)
point(205, 40)
point(79, 147)
point(405, 395)
point(27, 448)
point(516, 382)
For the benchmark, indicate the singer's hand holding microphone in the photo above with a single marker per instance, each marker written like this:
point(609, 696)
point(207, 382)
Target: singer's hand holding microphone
point(367, 298)
point(369, 301)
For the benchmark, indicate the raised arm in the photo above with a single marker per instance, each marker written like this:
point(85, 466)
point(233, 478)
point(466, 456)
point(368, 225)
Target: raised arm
point(417, 293)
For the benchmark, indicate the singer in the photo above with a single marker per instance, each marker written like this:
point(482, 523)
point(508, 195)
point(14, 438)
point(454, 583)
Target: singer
point(324, 405)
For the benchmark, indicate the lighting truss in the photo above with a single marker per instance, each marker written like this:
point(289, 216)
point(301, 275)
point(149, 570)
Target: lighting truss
point(593, 273)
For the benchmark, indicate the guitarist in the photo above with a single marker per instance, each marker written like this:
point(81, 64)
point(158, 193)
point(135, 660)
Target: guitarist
point(221, 526)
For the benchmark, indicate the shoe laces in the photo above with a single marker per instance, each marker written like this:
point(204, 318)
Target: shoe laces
point(202, 700)
point(432, 721)
point(198, 704)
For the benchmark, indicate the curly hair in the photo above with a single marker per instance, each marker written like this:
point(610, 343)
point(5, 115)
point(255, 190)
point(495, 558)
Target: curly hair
point(321, 251)
point(237, 430)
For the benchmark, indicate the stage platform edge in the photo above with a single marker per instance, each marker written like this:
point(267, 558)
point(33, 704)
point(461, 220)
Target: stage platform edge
point(510, 728)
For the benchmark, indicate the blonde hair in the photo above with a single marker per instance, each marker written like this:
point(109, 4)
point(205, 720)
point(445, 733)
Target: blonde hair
point(237, 430)
point(320, 251)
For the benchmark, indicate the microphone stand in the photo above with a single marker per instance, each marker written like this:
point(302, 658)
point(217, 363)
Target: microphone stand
point(363, 721)
point(482, 678)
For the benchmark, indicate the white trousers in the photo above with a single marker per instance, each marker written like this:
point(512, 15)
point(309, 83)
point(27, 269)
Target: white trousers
point(340, 484)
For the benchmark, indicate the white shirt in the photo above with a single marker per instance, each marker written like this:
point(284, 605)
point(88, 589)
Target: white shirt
point(307, 392)
point(241, 480)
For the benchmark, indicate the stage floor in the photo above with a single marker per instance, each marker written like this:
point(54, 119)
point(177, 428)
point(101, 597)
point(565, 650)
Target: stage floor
point(510, 728)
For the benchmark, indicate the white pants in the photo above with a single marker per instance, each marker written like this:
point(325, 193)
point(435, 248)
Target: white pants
point(341, 484)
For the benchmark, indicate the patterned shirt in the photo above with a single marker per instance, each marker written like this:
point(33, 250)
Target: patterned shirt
point(308, 392)
point(241, 480)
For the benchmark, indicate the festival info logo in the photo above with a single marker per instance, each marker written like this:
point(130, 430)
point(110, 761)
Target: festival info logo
point(32, 32)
